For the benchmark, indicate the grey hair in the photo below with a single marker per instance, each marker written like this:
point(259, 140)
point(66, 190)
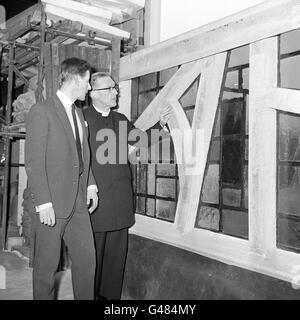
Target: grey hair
point(99, 75)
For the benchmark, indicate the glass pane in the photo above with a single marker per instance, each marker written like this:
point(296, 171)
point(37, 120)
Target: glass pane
point(134, 176)
point(134, 99)
point(289, 190)
point(288, 233)
point(144, 100)
point(210, 190)
point(150, 207)
point(166, 169)
point(214, 153)
point(239, 56)
point(288, 77)
point(216, 132)
point(290, 41)
point(232, 80)
point(165, 210)
point(188, 99)
point(166, 75)
point(231, 197)
point(227, 95)
point(232, 114)
point(190, 115)
point(235, 223)
point(247, 114)
point(208, 218)
point(289, 133)
point(245, 172)
point(246, 78)
point(232, 161)
point(151, 179)
point(141, 178)
point(246, 148)
point(165, 188)
point(140, 205)
point(148, 82)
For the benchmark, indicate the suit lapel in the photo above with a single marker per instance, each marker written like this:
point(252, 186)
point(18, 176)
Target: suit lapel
point(63, 117)
point(84, 134)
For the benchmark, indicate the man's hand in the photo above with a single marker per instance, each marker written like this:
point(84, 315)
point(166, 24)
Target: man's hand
point(165, 115)
point(47, 217)
point(92, 197)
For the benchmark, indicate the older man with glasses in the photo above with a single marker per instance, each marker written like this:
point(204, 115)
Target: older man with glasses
point(115, 213)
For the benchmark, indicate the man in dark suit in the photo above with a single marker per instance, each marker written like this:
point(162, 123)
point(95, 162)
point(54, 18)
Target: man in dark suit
point(62, 184)
point(115, 213)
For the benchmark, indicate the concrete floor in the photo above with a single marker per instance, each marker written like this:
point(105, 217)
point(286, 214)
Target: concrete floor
point(16, 278)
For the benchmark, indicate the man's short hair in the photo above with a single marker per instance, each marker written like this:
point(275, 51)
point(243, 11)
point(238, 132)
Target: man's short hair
point(99, 75)
point(73, 67)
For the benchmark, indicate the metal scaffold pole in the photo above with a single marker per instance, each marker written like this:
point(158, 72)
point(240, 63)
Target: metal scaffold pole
point(7, 148)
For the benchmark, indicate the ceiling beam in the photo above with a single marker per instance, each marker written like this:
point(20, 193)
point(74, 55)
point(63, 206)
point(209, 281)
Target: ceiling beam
point(91, 23)
point(81, 8)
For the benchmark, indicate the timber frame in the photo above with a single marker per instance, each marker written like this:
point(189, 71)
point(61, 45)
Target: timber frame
point(203, 51)
point(23, 56)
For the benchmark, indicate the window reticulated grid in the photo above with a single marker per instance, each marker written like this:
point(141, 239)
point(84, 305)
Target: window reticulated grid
point(156, 185)
point(223, 205)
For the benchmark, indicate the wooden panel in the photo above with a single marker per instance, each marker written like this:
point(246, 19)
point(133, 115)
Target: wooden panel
point(17, 24)
point(273, 18)
point(48, 70)
point(55, 53)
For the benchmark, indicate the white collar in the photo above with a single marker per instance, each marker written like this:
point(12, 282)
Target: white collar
point(66, 101)
point(104, 113)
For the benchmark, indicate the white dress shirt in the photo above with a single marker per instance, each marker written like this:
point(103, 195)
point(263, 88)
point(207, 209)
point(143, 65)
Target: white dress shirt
point(67, 103)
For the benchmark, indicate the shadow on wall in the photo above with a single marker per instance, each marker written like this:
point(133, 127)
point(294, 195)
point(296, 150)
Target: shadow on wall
point(156, 271)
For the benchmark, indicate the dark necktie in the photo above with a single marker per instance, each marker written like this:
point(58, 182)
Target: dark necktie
point(77, 138)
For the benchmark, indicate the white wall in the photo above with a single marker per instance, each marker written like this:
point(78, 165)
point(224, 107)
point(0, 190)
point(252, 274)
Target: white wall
point(179, 16)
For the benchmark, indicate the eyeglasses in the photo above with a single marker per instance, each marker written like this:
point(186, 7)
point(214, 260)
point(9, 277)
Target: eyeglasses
point(116, 87)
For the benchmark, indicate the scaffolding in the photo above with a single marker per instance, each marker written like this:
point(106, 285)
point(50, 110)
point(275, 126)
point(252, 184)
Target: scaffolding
point(25, 54)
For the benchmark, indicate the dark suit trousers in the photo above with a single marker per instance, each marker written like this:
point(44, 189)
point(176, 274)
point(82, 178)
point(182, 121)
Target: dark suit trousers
point(111, 250)
point(77, 234)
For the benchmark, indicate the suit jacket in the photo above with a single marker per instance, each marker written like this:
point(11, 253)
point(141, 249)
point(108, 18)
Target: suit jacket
point(51, 159)
point(115, 210)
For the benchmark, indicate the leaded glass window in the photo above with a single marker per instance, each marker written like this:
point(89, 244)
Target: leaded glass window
point(223, 205)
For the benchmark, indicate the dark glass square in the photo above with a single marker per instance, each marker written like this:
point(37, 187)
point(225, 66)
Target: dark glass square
point(148, 82)
point(239, 56)
point(289, 137)
point(232, 161)
point(235, 223)
point(232, 117)
point(289, 190)
point(288, 233)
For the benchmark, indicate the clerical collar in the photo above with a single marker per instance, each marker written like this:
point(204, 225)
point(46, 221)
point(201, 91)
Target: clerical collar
point(104, 113)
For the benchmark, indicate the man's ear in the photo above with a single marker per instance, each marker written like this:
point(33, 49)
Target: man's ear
point(77, 80)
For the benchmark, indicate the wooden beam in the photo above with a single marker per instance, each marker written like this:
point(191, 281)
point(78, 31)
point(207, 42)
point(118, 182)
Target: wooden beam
point(91, 23)
point(19, 23)
point(81, 8)
point(262, 146)
point(115, 59)
point(266, 20)
point(204, 116)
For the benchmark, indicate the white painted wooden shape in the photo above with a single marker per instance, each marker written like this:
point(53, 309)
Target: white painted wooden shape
point(262, 146)
point(92, 24)
point(81, 8)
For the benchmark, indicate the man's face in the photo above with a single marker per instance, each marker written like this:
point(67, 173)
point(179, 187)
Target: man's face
point(106, 97)
point(83, 85)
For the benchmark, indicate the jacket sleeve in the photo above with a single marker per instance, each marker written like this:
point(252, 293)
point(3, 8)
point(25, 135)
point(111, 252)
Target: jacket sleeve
point(91, 179)
point(147, 142)
point(35, 154)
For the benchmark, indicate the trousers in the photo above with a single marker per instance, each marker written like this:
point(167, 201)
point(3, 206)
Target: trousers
point(76, 231)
